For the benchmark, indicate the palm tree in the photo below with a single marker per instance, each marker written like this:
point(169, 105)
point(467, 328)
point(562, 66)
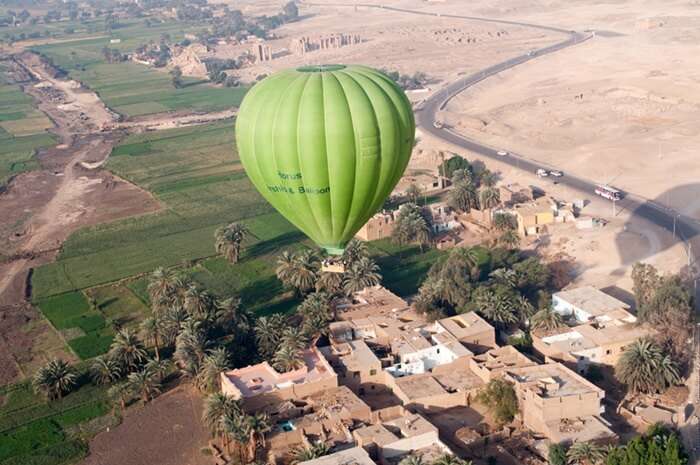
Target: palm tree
point(268, 333)
point(585, 453)
point(231, 315)
point(509, 239)
point(215, 362)
point(160, 286)
point(503, 222)
point(314, 451)
point(498, 308)
point(216, 407)
point(258, 425)
point(145, 384)
point(199, 303)
point(288, 358)
point(235, 426)
point(105, 370)
point(354, 250)
point(547, 319)
point(55, 379)
point(150, 331)
point(229, 239)
point(128, 350)
point(488, 197)
point(190, 348)
point(526, 310)
point(462, 196)
point(363, 273)
point(331, 283)
point(298, 271)
point(159, 368)
point(643, 367)
point(121, 394)
point(172, 321)
point(488, 178)
point(412, 459)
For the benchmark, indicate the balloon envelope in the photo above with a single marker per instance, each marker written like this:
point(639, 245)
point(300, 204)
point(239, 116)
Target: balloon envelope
point(325, 145)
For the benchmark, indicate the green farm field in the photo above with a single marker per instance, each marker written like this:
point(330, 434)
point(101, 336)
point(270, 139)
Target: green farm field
point(22, 129)
point(133, 89)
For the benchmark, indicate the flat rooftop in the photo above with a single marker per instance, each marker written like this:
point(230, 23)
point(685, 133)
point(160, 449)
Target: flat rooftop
point(535, 207)
point(591, 300)
point(354, 355)
point(336, 400)
point(371, 301)
point(552, 380)
point(466, 325)
point(410, 425)
point(581, 429)
point(377, 434)
point(459, 380)
point(420, 386)
point(261, 378)
point(352, 456)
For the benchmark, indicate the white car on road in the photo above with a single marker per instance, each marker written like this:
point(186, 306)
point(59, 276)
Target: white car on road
point(542, 173)
point(502, 153)
point(556, 173)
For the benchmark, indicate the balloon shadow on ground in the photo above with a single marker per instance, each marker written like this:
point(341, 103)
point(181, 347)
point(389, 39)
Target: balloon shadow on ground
point(654, 224)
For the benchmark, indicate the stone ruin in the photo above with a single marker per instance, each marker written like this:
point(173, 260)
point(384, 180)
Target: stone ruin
point(262, 53)
point(305, 44)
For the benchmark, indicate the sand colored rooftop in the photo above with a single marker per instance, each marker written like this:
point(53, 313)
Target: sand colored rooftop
point(352, 456)
point(591, 300)
point(372, 301)
point(552, 380)
point(465, 325)
point(262, 378)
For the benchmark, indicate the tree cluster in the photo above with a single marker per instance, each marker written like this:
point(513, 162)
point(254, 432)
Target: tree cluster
point(417, 80)
point(665, 302)
point(502, 285)
point(659, 446)
point(413, 224)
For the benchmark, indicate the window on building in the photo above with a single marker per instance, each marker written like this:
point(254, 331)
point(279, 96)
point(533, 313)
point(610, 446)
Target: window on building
point(372, 372)
point(355, 374)
point(608, 352)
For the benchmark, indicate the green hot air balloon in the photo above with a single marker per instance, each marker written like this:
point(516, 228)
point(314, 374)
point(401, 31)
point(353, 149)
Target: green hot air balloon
point(325, 145)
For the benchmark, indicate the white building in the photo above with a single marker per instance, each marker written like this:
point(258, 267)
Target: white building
point(586, 303)
point(420, 353)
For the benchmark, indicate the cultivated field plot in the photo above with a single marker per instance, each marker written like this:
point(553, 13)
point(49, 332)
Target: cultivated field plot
point(83, 326)
point(134, 89)
point(195, 172)
point(33, 431)
point(22, 129)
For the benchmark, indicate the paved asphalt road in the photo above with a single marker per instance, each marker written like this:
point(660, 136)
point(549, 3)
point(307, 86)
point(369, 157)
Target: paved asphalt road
point(686, 228)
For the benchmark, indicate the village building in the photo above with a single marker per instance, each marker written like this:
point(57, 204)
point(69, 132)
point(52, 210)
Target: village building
point(427, 184)
point(373, 301)
point(470, 329)
point(326, 416)
point(588, 303)
point(380, 226)
point(533, 217)
point(356, 365)
point(601, 342)
point(259, 385)
point(351, 456)
point(391, 440)
point(493, 363)
point(558, 403)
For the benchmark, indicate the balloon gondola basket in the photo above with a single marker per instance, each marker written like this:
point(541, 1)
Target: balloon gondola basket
point(332, 265)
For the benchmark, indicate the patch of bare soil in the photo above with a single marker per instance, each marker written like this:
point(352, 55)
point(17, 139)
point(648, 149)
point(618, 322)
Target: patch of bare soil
point(26, 342)
point(176, 416)
point(71, 197)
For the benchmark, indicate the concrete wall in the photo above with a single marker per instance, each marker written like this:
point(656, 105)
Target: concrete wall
point(294, 391)
point(406, 445)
